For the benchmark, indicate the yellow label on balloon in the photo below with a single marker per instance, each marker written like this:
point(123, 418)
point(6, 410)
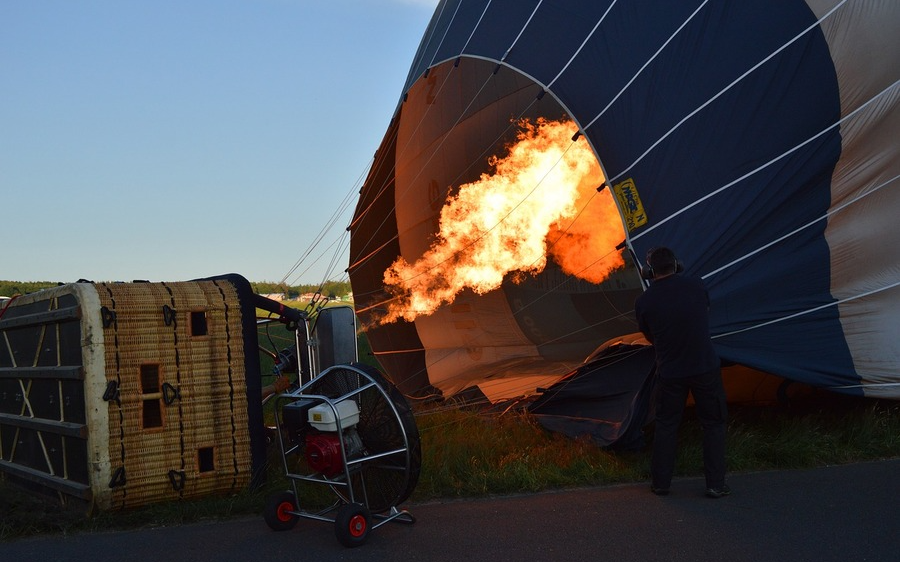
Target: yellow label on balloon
point(630, 203)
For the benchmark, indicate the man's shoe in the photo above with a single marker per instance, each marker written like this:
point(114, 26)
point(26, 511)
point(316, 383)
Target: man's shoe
point(716, 493)
point(659, 491)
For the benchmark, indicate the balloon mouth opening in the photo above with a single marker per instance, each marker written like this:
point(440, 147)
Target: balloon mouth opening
point(494, 185)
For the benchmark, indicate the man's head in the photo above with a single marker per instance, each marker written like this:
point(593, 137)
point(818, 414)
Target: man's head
point(661, 261)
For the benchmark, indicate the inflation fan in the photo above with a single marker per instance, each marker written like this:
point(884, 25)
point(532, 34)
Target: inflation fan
point(352, 431)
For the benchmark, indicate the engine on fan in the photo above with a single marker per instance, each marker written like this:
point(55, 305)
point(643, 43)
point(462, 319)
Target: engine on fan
point(323, 451)
point(323, 442)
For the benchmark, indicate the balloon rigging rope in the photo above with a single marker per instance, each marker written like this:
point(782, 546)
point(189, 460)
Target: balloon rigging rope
point(375, 168)
point(391, 177)
point(487, 6)
point(805, 226)
point(389, 180)
point(769, 163)
point(338, 213)
point(640, 70)
point(521, 31)
point(446, 31)
point(722, 92)
point(583, 43)
point(810, 310)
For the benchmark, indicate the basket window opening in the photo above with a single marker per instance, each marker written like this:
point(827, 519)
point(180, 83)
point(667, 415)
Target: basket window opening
point(151, 397)
point(199, 326)
point(206, 459)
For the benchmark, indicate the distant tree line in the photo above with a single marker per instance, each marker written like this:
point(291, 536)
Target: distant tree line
point(13, 288)
point(330, 288)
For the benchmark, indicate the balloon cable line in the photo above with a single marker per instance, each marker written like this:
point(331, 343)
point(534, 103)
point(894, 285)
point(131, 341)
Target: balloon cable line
point(830, 212)
point(646, 64)
point(487, 6)
point(722, 92)
point(339, 211)
point(814, 309)
point(810, 310)
point(391, 177)
point(446, 31)
point(381, 161)
point(522, 31)
point(767, 164)
point(377, 165)
point(583, 43)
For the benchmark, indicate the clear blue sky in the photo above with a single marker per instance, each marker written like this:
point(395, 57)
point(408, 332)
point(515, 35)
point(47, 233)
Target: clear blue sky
point(169, 140)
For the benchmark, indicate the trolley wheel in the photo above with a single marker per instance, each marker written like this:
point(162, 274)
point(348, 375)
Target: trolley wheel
point(351, 526)
point(279, 511)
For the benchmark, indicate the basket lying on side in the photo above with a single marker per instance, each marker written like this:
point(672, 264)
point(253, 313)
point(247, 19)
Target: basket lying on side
point(125, 394)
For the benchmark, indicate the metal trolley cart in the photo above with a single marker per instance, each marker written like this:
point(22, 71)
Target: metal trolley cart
point(351, 430)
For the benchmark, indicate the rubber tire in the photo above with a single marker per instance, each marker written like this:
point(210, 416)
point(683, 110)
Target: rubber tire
point(276, 512)
point(352, 525)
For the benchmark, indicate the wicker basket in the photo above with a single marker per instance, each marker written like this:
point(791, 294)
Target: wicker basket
point(151, 386)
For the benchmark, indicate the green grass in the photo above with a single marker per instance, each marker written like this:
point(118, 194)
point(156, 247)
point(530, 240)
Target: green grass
point(511, 454)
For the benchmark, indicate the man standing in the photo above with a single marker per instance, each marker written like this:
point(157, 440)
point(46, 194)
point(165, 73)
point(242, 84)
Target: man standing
point(673, 314)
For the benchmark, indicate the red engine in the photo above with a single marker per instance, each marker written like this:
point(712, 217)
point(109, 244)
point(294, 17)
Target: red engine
point(323, 451)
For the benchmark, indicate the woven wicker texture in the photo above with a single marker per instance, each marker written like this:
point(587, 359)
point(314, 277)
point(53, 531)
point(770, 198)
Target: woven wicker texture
point(179, 428)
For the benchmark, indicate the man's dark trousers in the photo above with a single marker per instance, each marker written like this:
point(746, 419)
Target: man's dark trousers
point(712, 411)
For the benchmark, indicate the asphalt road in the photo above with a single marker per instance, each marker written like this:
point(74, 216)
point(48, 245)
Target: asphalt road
point(840, 513)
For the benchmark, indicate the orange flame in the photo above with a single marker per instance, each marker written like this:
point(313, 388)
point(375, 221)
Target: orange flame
point(541, 199)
